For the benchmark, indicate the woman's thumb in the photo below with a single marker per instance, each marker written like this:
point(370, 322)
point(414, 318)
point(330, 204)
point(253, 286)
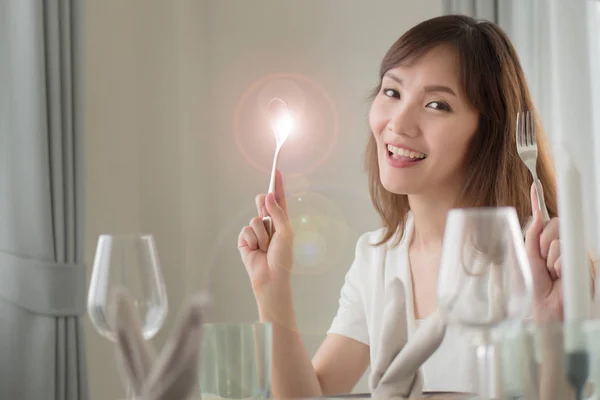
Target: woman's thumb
point(532, 236)
point(533, 195)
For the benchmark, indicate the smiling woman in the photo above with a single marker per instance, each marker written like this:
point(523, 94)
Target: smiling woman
point(461, 108)
point(442, 136)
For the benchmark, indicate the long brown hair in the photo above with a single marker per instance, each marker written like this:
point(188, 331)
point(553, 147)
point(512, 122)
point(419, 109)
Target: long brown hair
point(494, 82)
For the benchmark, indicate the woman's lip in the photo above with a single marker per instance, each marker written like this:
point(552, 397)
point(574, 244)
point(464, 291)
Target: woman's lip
point(402, 162)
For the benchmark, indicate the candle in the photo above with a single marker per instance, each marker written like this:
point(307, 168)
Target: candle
point(575, 265)
point(572, 124)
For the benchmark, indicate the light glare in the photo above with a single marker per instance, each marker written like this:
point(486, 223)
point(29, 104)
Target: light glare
point(283, 125)
point(281, 120)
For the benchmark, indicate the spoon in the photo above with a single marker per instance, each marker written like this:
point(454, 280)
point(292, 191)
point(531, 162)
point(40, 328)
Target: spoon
point(281, 125)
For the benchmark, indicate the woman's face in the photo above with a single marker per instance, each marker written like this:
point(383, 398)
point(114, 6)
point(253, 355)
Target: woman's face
point(423, 124)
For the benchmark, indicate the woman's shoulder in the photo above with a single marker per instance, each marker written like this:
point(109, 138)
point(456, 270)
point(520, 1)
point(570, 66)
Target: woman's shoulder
point(371, 239)
point(370, 244)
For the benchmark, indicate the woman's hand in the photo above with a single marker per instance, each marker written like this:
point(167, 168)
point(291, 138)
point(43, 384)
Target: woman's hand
point(543, 250)
point(268, 260)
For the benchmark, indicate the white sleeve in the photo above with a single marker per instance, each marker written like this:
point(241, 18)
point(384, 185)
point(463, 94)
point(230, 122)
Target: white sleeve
point(350, 319)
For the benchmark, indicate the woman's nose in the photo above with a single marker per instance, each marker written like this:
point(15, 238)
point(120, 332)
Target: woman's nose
point(404, 121)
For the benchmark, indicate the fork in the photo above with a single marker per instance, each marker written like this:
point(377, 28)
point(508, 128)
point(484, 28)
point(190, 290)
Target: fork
point(528, 151)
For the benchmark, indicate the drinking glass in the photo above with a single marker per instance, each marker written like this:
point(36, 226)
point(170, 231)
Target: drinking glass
point(484, 279)
point(236, 361)
point(128, 261)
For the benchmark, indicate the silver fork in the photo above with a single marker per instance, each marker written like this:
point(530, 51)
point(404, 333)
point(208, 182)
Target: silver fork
point(528, 151)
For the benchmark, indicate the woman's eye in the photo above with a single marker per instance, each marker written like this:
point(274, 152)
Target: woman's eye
point(439, 105)
point(391, 93)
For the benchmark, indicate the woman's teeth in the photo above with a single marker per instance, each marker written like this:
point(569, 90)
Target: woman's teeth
point(397, 152)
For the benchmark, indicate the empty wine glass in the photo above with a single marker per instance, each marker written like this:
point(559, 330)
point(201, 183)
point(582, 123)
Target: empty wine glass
point(484, 279)
point(130, 262)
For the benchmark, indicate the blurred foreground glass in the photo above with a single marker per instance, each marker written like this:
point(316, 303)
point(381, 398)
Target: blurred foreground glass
point(533, 362)
point(485, 279)
point(236, 361)
point(131, 262)
point(591, 330)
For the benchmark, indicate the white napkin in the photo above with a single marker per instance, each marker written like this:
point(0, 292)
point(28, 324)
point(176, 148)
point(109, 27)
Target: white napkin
point(174, 374)
point(135, 356)
point(395, 372)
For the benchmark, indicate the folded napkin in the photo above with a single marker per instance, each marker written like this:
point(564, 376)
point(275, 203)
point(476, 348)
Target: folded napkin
point(174, 373)
point(395, 372)
point(135, 355)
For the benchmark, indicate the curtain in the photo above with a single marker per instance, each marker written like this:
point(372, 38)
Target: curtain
point(42, 276)
point(573, 90)
point(483, 9)
point(558, 45)
point(526, 22)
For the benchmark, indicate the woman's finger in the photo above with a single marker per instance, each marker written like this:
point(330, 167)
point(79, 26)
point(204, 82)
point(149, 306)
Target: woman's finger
point(259, 201)
point(549, 234)
point(250, 238)
point(262, 237)
point(553, 257)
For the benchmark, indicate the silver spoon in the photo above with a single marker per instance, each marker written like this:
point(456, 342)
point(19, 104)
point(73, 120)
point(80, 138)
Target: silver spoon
point(281, 125)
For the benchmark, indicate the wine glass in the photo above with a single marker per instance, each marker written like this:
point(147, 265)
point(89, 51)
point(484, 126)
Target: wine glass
point(128, 261)
point(484, 279)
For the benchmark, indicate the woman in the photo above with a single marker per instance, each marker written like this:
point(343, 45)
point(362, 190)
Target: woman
point(442, 136)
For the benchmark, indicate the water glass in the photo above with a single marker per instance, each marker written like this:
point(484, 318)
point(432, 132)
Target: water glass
point(484, 280)
point(534, 364)
point(236, 361)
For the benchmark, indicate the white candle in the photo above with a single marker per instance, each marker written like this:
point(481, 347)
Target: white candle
point(572, 125)
point(575, 265)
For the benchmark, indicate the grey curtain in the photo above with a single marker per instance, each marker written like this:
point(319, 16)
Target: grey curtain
point(42, 276)
point(484, 9)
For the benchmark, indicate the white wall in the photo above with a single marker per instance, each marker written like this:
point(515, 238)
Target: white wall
point(133, 146)
point(164, 81)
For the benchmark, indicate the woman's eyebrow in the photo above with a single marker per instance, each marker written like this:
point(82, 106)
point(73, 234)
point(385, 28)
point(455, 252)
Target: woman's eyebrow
point(427, 89)
point(439, 88)
point(393, 76)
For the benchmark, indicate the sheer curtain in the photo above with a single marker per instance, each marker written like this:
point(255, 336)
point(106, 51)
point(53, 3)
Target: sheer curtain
point(559, 46)
point(558, 43)
point(573, 44)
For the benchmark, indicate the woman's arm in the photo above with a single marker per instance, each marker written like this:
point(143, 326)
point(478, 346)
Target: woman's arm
point(340, 362)
point(336, 368)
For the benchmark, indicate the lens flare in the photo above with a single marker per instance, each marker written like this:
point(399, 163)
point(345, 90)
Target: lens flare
point(325, 221)
point(321, 233)
point(296, 185)
point(281, 120)
point(310, 111)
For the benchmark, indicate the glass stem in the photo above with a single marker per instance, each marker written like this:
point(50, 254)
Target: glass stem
point(130, 393)
point(487, 365)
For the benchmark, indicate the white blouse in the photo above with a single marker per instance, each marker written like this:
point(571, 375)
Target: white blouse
point(362, 300)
